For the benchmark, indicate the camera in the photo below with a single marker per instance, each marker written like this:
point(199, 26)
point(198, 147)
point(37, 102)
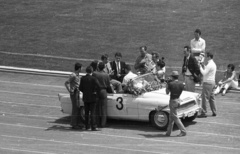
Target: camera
point(168, 80)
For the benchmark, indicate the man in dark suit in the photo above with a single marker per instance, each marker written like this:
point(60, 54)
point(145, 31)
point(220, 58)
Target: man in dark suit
point(190, 70)
point(88, 87)
point(104, 84)
point(118, 67)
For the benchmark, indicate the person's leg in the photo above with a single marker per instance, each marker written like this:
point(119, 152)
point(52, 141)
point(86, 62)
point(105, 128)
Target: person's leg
point(75, 110)
point(104, 109)
point(204, 99)
point(175, 117)
point(93, 115)
point(170, 123)
point(87, 108)
point(212, 100)
point(117, 85)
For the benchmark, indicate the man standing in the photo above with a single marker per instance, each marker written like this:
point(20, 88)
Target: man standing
point(190, 70)
point(144, 63)
point(198, 44)
point(104, 83)
point(72, 85)
point(88, 87)
point(118, 67)
point(175, 89)
point(208, 72)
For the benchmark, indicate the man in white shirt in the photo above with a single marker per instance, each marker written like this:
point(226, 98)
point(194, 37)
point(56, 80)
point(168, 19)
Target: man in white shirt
point(209, 73)
point(198, 44)
point(130, 75)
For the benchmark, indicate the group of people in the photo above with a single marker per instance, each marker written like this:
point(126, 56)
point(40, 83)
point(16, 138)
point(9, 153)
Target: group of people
point(112, 77)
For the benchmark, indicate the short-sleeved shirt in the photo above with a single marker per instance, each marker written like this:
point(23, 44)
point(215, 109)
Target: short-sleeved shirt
point(74, 81)
point(175, 88)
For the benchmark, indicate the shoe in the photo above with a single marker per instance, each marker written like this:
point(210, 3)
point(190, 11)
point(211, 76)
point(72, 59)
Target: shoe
point(95, 129)
point(214, 114)
point(182, 134)
point(202, 115)
point(76, 127)
point(167, 134)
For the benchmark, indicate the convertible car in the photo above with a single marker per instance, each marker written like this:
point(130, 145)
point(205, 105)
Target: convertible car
point(145, 100)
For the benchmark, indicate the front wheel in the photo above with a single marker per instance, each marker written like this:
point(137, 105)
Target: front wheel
point(159, 119)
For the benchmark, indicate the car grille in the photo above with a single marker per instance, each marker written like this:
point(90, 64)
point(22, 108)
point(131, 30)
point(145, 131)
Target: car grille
point(187, 105)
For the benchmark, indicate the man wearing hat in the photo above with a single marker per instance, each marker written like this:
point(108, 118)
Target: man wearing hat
point(175, 89)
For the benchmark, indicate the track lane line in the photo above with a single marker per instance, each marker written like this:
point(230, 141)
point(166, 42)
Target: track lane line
point(24, 150)
point(33, 84)
point(80, 144)
point(31, 94)
point(138, 138)
point(6, 102)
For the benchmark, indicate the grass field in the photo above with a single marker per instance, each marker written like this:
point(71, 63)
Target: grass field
point(88, 28)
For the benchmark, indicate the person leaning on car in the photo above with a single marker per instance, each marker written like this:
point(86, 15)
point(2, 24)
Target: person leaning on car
point(89, 86)
point(175, 89)
point(72, 85)
point(190, 70)
point(104, 82)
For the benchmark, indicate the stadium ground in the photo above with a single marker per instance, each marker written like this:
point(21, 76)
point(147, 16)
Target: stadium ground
point(86, 29)
point(31, 122)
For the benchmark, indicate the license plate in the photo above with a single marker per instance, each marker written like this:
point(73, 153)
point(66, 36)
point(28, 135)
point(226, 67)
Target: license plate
point(190, 114)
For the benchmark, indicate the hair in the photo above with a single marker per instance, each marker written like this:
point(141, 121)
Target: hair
point(89, 69)
point(209, 54)
point(101, 66)
point(231, 66)
point(94, 65)
point(105, 56)
point(144, 47)
point(118, 54)
point(175, 77)
point(198, 31)
point(77, 66)
point(161, 63)
point(155, 54)
point(128, 67)
point(188, 48)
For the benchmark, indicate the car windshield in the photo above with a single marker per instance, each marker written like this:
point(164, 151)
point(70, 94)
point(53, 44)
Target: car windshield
point(143, 83)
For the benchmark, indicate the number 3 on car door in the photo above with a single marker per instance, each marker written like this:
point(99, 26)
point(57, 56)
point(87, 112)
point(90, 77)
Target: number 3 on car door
point(120, 103)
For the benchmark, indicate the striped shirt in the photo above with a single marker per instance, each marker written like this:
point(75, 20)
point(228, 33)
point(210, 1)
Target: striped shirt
point(74, 81)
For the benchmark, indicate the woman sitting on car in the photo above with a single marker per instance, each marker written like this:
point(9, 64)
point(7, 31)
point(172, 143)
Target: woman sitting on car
point(229, 80)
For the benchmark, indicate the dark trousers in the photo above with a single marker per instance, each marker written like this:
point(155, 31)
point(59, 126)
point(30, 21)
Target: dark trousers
point(102, 107)
point(75, 117)
point(90, 111)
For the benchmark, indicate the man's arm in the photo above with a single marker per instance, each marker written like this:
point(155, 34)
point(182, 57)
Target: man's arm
point(205, 70)
point(67, 85)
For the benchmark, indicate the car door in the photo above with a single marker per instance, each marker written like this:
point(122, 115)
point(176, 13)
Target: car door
point(122, 106)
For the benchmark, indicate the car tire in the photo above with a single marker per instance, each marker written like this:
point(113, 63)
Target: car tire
point(155, 120)
point(82, 113)
point(190, 119)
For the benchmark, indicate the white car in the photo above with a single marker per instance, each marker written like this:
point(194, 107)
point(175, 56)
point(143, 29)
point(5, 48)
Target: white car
point(145, 101)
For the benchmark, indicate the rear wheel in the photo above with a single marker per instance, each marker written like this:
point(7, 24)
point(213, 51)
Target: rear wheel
point(82, 113)
point(159, 119)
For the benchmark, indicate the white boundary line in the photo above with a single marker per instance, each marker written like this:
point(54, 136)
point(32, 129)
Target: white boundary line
point(32, 94)
point(32, 84)
point(118, 136)
point(28, 151)
point(29, 115)
point(5, 102)
point(80, 144)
